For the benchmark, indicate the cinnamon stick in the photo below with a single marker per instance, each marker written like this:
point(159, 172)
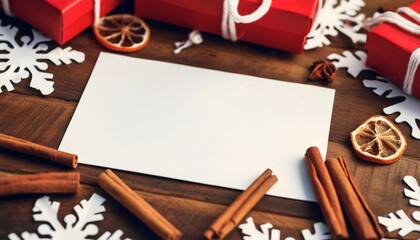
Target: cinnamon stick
point(362, 219)
point(115, 187)
point(33, 149)
point(241, 206)
point(60, 182)
point(325, 193)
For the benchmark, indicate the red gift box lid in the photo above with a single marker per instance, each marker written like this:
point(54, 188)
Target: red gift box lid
point(61, 20)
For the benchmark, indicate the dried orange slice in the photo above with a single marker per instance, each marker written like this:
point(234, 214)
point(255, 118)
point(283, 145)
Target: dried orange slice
point(378, 140)
point(122, 32)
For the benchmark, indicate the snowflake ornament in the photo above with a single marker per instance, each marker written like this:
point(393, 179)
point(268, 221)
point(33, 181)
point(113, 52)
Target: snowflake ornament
point(23, 60)
point(414, 193)
point(401, 221)
point(355, 64)
point(408, 107)
point(332, 19)
point(76, 228)
point(267, 232)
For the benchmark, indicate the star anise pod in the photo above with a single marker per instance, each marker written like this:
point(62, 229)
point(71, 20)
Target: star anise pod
point(322, 70)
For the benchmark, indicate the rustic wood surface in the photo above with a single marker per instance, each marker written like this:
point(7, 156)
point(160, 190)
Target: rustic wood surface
point(26, 114)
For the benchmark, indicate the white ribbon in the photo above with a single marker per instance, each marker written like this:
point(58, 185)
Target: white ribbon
point(413, 64)
point(409, 26)
point(6, 8)
point(96, 11)
point(409, 12)
point(231, 16)
point(398, 20)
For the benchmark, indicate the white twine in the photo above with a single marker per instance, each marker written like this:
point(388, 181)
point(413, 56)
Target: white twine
point(96, 11)
point(231, 16)
point(6, 8)
point(409, 12)
point(411, 71)
point(409, 26)
point(193, 38)
point(398, 20)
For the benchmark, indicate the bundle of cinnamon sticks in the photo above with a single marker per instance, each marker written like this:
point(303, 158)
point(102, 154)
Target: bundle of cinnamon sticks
point(241, 206)
point(335, 188)
point(58, 182)
point(115, 187)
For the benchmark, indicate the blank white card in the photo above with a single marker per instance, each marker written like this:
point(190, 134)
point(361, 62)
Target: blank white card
point(199, 125)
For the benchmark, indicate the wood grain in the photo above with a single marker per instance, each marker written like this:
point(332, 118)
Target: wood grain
point(193, 207)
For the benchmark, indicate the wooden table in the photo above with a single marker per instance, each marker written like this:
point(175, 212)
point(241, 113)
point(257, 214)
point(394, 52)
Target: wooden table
point(192, 207)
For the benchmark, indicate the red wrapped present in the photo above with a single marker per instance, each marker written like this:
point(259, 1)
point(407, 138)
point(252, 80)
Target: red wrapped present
point(61, 20)
point(392, 44)
point(284, 26)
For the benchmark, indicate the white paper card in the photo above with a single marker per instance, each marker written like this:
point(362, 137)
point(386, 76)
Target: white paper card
point(199, 125)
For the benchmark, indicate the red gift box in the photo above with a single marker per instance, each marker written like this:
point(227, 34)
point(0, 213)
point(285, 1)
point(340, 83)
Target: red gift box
point(389, 48)
point(284, 26)
point(61, 20)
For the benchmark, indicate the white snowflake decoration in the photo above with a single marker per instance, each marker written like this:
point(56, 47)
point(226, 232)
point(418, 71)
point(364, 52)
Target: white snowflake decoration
point(408, 108)
point(22, 60)
point(401, 220)
point(76, 228)
point(355, 64)
point(331, 20)
point(414, 193)
point(267, 232)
